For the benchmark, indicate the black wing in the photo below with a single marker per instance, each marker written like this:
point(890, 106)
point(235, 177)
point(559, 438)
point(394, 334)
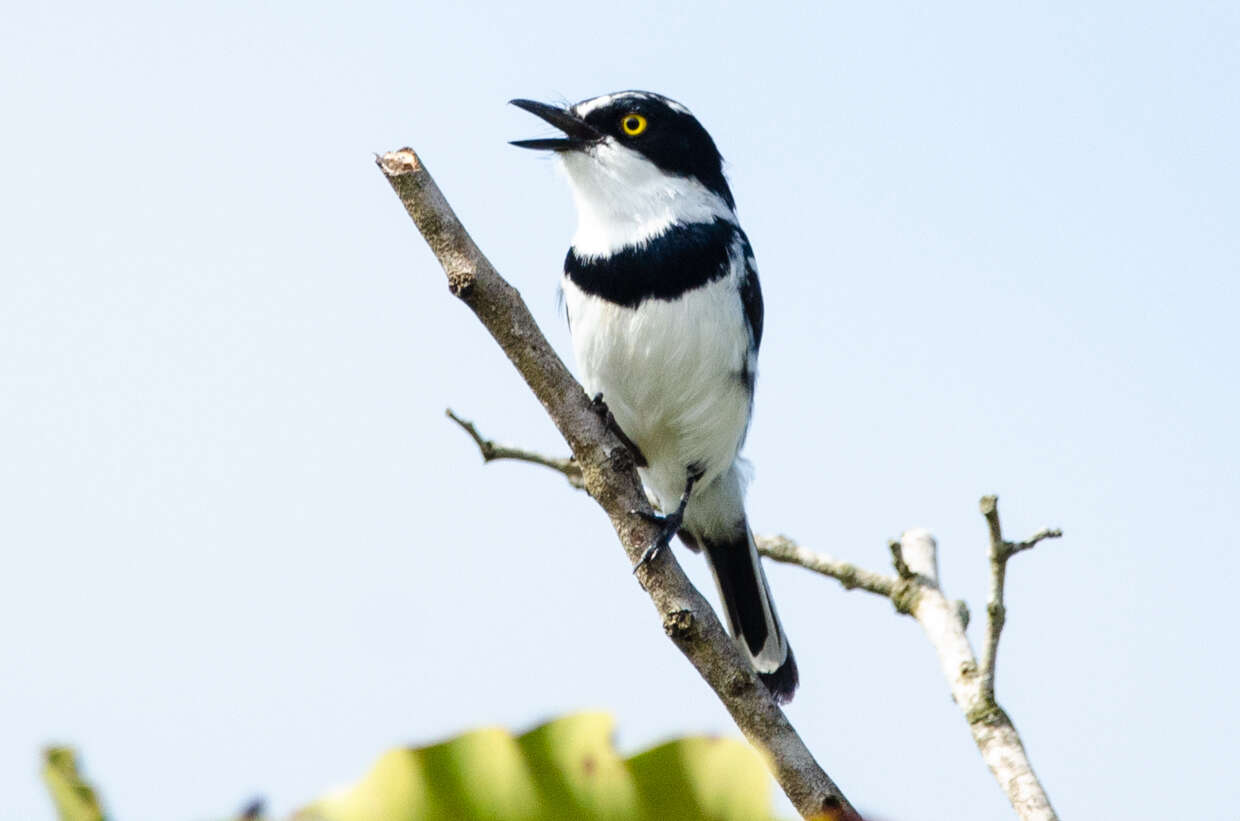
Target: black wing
point(751, 297)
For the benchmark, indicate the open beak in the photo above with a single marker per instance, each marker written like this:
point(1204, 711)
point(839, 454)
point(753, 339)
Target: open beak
point(578, 133)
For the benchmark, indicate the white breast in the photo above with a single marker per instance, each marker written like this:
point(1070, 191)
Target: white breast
point(670, 371)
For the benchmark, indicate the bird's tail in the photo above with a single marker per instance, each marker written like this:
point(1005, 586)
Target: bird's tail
point(751, 611)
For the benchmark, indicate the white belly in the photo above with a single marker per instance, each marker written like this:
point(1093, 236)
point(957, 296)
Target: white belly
point(671, 374)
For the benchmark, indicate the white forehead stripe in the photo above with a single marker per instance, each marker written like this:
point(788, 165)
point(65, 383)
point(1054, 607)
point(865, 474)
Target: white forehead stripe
point(584, 107)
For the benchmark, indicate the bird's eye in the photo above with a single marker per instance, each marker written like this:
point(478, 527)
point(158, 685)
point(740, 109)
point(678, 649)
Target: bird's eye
point(633, 124)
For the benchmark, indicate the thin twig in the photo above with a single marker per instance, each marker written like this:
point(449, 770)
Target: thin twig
point(783, 549)
point(996, 610)
point(609, 476)
point(780, 548)
point(1044, 533)
point(491, 451)
point(944, 622)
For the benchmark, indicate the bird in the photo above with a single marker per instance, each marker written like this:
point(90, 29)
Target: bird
point(665, 312)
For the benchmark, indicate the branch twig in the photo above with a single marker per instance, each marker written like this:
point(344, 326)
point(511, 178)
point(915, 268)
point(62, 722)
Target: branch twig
point(783, 549)
point(996, 610)
point(492, 451)
point(915, 591)
point(609, 476)
point(993, 731)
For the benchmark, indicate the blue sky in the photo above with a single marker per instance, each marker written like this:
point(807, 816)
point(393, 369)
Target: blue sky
point(245, 552)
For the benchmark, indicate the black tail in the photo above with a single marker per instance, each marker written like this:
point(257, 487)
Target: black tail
point(751, 612)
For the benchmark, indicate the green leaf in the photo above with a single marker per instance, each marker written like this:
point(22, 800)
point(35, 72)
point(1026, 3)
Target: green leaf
point(75, 800)
point(716, 778)
point(565, 769)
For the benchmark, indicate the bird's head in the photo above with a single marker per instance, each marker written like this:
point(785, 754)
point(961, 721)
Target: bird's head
point(638, 163)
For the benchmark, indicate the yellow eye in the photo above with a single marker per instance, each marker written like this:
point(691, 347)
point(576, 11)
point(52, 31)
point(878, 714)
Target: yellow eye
point(633, 124)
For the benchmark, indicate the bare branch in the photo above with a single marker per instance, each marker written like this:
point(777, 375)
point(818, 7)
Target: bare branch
point(492, 451)
point(609, 476)
point(996, 610)
point(916, 592)
point(1044, 533)
point(996, 737)
point(783, 549)
point(780, 548)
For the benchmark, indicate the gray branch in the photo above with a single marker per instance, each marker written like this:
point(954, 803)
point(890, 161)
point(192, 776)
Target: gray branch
point(915, 591)
point(491, 451)
point(994, 733)
point(996, 610)
point(609, 476)
point(783, 549)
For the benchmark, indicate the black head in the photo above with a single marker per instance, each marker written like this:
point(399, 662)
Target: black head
point(661, 130)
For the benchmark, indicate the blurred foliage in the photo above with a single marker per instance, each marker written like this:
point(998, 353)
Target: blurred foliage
point(565, 769)
point(75, 800)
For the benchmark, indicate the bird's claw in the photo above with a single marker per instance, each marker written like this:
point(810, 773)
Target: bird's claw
point(669, 526)
point(653, 518)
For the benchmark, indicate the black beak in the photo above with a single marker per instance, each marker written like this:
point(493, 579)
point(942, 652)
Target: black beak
point(579, 133)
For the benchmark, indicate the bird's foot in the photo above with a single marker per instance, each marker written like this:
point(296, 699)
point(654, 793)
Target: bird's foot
point(600, 407)
point(669, 525)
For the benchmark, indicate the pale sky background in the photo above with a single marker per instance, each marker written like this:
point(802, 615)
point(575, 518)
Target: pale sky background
point(244, 552)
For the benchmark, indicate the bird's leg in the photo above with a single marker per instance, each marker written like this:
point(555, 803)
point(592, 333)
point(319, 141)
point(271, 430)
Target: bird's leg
point(669, 524)
point(600, 407)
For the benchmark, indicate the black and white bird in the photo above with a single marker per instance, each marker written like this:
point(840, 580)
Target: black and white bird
point(665, 313)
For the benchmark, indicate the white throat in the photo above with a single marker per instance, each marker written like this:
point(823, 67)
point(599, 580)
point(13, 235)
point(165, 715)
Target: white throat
point(624, 199)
